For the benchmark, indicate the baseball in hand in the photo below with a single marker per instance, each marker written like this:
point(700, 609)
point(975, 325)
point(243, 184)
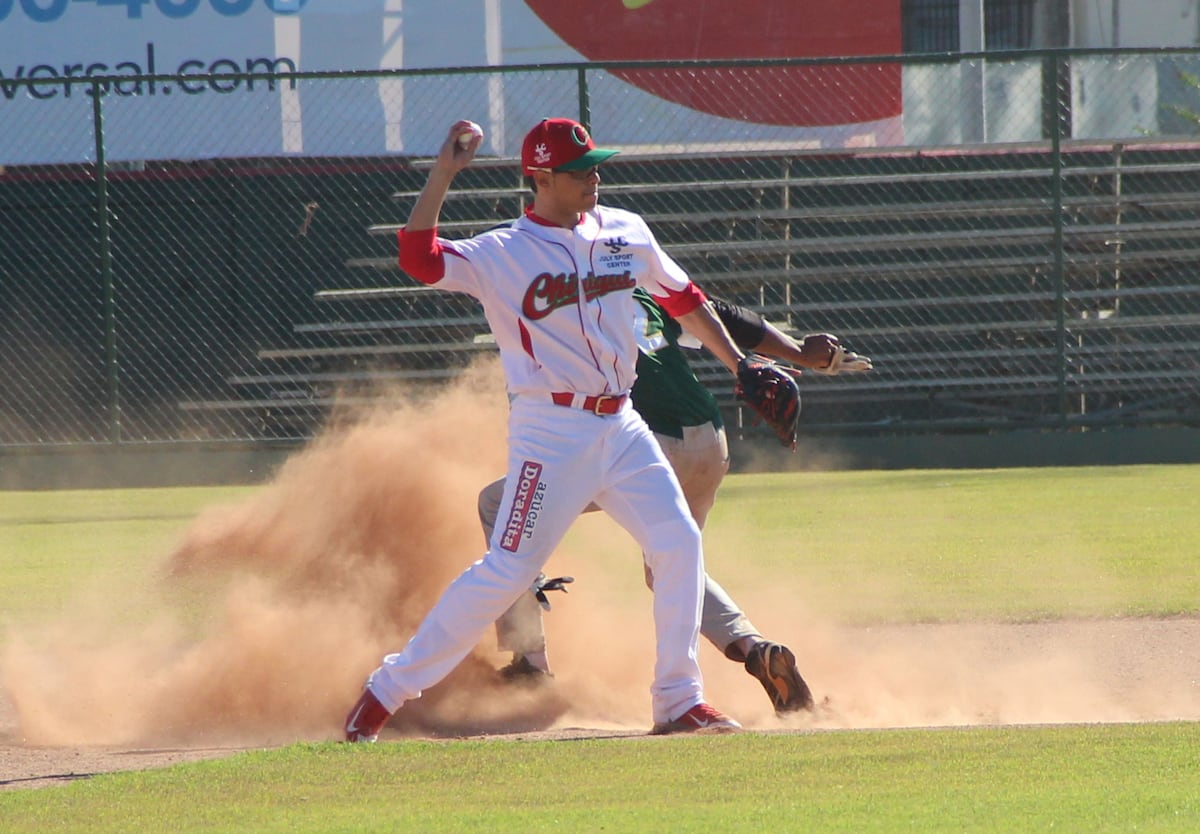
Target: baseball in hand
point(472, 130)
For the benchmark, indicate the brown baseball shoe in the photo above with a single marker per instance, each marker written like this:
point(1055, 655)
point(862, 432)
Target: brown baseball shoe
point(775, 667)
point(521, 671)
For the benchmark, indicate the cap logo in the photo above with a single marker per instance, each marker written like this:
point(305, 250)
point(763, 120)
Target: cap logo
point(541, 155)
point(580, 135)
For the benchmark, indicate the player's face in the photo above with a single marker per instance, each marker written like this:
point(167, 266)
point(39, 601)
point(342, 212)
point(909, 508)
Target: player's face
point(577, 189)
point(562, 196)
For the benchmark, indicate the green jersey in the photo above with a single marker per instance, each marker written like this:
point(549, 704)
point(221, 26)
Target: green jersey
point(667, 393)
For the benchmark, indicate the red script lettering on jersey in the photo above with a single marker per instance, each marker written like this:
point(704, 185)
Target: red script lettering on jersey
point(549, 292)
point(518, 516)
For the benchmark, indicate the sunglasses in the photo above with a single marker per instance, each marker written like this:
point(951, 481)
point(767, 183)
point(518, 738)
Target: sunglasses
point(582, 176)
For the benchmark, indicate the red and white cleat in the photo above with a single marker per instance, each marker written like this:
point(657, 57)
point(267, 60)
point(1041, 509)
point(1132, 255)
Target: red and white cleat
point(366, 718)
point(699, 719)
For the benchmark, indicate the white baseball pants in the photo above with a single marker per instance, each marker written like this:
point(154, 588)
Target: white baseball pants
point(560, 460)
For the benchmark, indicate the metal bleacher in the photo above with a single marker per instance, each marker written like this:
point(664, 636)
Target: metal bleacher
point(992, 290)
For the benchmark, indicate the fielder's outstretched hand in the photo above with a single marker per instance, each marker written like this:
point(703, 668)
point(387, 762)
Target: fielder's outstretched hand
point(841, 361)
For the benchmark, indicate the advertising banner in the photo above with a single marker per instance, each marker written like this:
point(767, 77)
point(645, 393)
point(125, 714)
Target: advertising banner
point(193, 115)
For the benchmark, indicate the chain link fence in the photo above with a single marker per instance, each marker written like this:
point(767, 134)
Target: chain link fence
point(1013, 238)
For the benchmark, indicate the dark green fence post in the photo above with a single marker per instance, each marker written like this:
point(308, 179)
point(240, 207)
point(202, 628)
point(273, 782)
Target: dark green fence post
point(585, 106)
point(1060, 284)
point(106, 273)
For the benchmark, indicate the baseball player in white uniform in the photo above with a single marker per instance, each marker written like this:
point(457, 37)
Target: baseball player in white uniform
point(557, 291)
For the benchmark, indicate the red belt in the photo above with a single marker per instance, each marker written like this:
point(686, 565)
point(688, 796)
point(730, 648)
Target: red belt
point(601, 404)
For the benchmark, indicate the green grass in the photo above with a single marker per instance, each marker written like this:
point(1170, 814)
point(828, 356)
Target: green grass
point(1085, 779)
point(910, 546)
point(1015, 544)
point(866, 546)
point(52, 543)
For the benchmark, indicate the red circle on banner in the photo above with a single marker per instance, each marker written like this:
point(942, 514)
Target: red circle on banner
point(639, 30)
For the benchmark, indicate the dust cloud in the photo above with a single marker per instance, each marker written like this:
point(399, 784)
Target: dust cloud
point(261, 625)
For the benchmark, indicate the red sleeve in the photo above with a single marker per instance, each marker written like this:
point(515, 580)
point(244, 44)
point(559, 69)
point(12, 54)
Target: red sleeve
point(680, 302)
point(421, 255)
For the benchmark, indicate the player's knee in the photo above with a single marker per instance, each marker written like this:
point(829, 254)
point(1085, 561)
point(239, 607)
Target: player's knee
point(503, 578)
point(678, 538)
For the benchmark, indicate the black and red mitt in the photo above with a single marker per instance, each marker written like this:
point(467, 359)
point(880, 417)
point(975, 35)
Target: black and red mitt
point(772, 393)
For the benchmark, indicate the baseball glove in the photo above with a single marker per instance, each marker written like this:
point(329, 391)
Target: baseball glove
point(773, 395)
point(844, 362)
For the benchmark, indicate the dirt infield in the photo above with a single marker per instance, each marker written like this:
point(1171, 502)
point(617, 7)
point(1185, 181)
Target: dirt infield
point(977, 674)
point(258, 629)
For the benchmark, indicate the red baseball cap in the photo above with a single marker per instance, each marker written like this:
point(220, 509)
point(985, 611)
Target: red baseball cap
point(560, 144)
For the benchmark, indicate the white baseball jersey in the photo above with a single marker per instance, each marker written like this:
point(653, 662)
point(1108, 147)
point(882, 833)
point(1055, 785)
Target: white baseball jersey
point(559, 301)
